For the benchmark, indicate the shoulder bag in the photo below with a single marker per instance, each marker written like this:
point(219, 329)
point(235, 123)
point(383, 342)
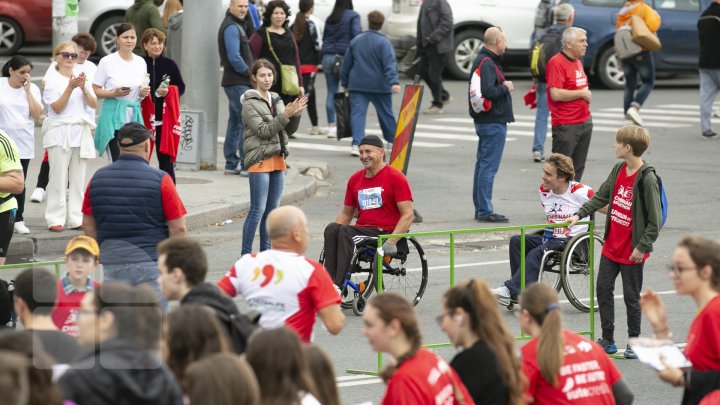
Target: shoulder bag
point(290, 84)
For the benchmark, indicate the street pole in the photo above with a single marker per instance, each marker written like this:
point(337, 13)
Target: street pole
point(64, 20)
point(201, 72)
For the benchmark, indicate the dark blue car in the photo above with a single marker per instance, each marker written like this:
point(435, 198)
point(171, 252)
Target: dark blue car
point(678, 36)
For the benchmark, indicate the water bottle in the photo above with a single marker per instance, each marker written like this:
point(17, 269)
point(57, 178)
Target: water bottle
point(146, 81)
point(164, 85)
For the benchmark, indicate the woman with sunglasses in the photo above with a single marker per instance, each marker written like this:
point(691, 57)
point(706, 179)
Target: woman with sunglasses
point(67, 138)
point(487, 363)
point(561, 366)
point(695, 271)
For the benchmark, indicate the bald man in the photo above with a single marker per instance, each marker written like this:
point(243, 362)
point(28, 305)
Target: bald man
point(490, 125)
point(285, 287)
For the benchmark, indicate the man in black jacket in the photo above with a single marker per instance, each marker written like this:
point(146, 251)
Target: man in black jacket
point(709, 64)
point(490, 125)
point(434, 41)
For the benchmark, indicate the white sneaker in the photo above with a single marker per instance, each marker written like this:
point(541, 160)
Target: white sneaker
point(37, 195)
point(633, 113)
point(21, 229)
point(317, 131)
point(332, 132)
point(355, 151)
point(338, 290)
point(502, 295)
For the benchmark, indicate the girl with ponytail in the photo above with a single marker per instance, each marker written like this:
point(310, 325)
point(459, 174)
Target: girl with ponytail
point(390, 326)
point(561, 366)
point(487, 363)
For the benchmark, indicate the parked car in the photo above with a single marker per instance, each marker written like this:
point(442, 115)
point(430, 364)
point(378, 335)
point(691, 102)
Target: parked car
point(99, 18)
point(678, 36)
point(22, 23)
point(471, 19)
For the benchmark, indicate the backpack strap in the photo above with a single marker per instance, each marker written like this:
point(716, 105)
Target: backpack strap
point(641, 188)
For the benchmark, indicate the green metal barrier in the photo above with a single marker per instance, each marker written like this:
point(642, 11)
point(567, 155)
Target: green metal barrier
point(522, 229)
point(56, 263)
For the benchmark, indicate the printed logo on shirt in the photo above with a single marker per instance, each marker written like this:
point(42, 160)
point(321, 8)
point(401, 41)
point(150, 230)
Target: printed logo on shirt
point(70, 326)
point(580, 78)
point(623, 199)
point(370, 198)
point(584, 380)
point(268, 273)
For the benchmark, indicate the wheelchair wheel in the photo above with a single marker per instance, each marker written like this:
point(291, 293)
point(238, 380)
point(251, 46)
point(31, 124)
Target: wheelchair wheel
point(362, 267)
point(407, 274)
point(358, 305)
point(576, 270)
point(550, 270)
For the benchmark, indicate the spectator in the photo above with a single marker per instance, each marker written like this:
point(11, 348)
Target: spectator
point(14, 370)
point(193, 333)
point(67, 138)
point(695, 271)
point(641, 65)
point(81, 259)
point(551, 41)
point(275, 42)
point(173, 46)
point(145, 14)
point(130, 188)
point(632, 194)
point(119, 79)
point(20, 105)
point(341, 26)
point(306, 290)
point(221, 379)
point(544, 17)
point(553, 348)
point(281, 368)
point(418, 376)
point(11, 181)
point(35, 297)
point(236, 59)
point(307, 35)
point(162, 69)
point(487, 363)
point(171, 7)
point(709, 64)
point(490, 126)
point(320, 368)
point(569, 99)
point(434, 42)
point(122, 325)
point(369, 71)
point(268, 123)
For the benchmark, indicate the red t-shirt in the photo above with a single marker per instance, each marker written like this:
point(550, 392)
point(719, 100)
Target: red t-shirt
point(376, 198)
point(65, 313)
point(586, 376)
point(618, 245)
point(703, 340)
point(425, 379)
point(172, 205)
point(562, 72)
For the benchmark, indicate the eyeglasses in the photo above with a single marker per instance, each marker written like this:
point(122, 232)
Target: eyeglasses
point(68, 55)
point(676, 270)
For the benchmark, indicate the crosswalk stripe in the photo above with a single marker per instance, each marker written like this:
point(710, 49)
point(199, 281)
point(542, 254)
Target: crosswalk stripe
point(434, 136)
point(644, 111)
point(647, 117)
point(469, 130)
point(621, 121)
point(345, 148)
point(681, 106)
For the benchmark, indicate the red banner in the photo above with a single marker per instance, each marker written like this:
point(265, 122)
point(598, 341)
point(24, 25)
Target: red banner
point(405, 132)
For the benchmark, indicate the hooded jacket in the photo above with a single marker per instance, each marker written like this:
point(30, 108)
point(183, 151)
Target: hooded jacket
point(173, 44)
point(266, 127)
point(144, 14)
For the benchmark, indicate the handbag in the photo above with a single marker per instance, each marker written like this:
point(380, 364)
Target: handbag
point(642, 36)
point(290, 84)
point(625, 47)
point(342, 115)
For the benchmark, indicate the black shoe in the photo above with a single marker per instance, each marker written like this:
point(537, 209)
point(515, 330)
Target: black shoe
point(494, 217)
point(607, 345)
point(709, 134)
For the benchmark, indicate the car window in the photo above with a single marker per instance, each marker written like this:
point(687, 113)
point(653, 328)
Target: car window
point(605, 3)
point(678, 5)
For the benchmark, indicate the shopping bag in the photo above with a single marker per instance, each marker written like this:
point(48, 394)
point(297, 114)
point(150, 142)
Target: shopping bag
point(342, 115)
point(642, 36)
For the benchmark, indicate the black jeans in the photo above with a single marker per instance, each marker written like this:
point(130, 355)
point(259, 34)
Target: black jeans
point(573, 141)
point(44, 175)
point(114, 148)
point(309, 86)
point(431, 69)
point(535, 247)
point(339, 248)
point(632, 278)
point(21, 197)
point(164, 161)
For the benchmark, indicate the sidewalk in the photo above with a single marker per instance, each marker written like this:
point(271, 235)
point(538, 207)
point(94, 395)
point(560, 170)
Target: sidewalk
point(209, 197)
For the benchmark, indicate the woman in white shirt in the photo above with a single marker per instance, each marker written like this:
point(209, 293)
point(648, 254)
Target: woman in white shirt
point(121, 79)
point(19, 106)
point(67, 137)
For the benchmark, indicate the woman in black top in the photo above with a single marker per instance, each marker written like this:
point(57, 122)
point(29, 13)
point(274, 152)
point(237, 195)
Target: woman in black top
point(307, 37)
point(487, 363)
point(275, 26)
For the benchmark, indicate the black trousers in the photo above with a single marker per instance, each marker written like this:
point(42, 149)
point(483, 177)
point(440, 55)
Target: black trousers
point(21, 197)
point(44, 175)
point(309, 85)
point(632, 278)
point(164, 161)
point(431, 69)
point(114, 148)
point(339, 248)
point(573, 141)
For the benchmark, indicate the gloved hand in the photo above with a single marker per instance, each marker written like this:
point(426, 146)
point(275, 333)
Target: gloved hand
point(389, 249)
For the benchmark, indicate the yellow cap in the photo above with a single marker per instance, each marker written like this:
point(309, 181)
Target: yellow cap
point(83, 242)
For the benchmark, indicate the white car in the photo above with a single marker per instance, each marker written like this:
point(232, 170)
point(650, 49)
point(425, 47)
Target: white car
point(99, 18)
point(471, 18)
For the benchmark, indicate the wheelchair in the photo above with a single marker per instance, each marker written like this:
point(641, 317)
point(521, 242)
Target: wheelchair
point(406, 273)
point(567, 268)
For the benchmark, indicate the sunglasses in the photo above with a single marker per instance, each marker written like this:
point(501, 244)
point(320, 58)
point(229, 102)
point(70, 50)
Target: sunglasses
point(68, 55)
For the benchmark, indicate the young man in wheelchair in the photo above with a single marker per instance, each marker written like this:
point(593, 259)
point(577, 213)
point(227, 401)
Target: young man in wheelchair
point(381, 196)
point(560, 197)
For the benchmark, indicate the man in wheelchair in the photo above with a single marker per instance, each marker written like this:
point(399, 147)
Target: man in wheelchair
point(560, 197)
point(381, 196)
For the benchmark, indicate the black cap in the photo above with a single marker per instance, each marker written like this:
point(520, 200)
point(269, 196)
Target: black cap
point(132, 133)
point(373, 140)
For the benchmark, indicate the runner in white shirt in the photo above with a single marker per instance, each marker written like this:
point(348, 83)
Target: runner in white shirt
point(560, 198)
point(20, 105)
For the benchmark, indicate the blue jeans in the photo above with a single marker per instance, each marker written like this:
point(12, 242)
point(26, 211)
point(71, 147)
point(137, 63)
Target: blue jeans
point(358, 112)
point(491, 142)
point(136, 274)
point(333, 83)
point(541, 117)
point(234, 134)
point(644, 66)
point(535, 246)
point(265, 191)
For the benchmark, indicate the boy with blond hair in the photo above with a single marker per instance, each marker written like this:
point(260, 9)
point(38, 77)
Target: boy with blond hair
point(632, 192)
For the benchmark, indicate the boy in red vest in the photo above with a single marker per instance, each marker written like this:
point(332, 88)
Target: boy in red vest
point(81, 259)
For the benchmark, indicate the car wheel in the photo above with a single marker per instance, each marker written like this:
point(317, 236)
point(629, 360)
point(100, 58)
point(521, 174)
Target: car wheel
point(467, 45)
point(610, 70)
point(105, 34)
point(11, 36)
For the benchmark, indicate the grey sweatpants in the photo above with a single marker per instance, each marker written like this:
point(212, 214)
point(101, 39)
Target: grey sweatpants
point(709, 88)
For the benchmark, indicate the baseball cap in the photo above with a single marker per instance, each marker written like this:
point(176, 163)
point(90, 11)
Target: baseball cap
point(83, 242)
point(132, 133)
